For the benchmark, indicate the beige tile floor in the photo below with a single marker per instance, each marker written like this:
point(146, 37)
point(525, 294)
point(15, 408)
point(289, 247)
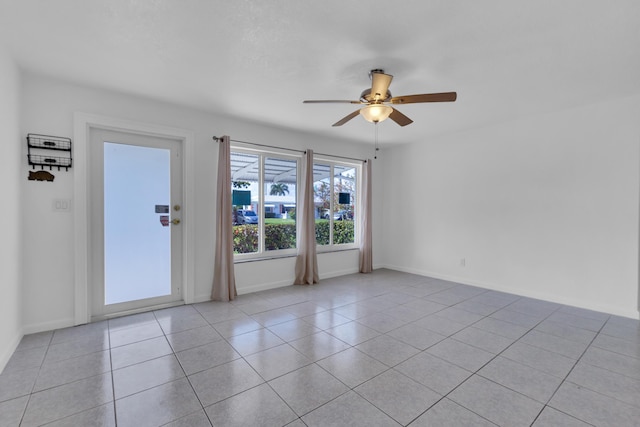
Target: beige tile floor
point(387, 348)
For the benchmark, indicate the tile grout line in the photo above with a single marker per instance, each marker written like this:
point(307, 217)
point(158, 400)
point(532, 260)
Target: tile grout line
point(113, 383)
point(485, 364)
point(226, 340)
point(35, 381)
point(569, 373)
point(358, 299)
point(173, 352)
point(580, 358)
point(422, 351)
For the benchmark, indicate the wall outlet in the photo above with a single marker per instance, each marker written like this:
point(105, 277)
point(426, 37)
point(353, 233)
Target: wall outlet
point(463, 262)
point(61, 205)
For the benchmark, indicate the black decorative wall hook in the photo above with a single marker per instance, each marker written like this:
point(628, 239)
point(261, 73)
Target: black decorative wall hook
point(41, 148)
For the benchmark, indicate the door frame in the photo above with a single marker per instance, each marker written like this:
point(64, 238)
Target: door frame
point(83, 124)
point(171, 152)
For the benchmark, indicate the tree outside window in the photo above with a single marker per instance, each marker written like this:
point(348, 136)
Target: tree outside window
point(267, 223)
point(335, 188)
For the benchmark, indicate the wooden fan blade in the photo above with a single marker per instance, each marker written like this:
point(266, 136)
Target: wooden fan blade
point(380, 86)
point(427, 97)
point(400, 118)
point(330, 101)
point(346, 118)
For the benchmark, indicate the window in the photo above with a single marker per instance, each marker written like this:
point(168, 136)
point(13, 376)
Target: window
point(335, 192)
point(264, 199)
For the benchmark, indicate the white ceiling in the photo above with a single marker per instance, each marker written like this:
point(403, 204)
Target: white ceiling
point(259, 60)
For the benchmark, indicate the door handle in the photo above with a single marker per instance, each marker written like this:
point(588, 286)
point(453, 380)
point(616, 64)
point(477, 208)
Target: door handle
point(175, 221)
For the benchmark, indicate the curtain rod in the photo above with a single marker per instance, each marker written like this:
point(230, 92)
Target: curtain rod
point(216, 138)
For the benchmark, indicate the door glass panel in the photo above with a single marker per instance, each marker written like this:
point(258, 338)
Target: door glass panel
point(137, 238)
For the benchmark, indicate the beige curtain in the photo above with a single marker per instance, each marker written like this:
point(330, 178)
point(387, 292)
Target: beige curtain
point(224, 280)
point(366, 253)
point(307, 260)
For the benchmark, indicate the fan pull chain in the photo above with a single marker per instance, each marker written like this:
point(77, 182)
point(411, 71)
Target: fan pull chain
point(376, 147)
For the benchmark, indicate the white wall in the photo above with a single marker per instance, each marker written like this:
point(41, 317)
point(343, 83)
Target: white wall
point(48, 107)
point(10, 176)
point(545, 207)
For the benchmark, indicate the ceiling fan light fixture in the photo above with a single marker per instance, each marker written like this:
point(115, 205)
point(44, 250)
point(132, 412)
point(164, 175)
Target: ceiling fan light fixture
point(376, 100)
point(376, 113)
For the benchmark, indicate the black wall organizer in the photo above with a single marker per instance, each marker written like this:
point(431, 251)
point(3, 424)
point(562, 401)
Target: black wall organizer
point(41, 150)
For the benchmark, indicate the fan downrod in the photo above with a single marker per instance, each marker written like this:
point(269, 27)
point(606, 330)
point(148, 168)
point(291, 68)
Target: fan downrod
point(374, 71)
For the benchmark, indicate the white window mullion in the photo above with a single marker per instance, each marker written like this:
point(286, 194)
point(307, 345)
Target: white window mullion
point(299, 199)
point(357, 208)
point(331, 205)
point(261, 210)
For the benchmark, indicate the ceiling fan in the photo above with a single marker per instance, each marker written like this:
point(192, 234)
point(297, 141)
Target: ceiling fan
point(378, 98)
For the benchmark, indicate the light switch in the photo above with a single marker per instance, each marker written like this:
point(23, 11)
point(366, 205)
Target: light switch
point(61, 205)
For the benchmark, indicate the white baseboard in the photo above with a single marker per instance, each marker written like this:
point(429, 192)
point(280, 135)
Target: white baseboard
point(283, 283)
point(9, 350)
point(339, 273)
point(201, 298)
point(48, 326)
point(246, 290)
point(589, 305)
point(263, 286)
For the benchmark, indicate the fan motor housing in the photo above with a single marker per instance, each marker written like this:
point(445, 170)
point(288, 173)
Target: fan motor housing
point(366, 97)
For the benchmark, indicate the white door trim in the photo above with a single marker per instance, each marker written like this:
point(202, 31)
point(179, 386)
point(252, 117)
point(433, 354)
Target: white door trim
point(83, 123)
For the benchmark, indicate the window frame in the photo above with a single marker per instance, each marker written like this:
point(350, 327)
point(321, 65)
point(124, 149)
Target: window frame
point(357, 216)
point(262, 253)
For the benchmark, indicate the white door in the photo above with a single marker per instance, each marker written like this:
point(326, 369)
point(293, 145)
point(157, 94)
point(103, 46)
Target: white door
point(136, 230)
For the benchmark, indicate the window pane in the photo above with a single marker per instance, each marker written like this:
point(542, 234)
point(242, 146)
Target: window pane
point(322, 202)
point(344, 189)
point(280, 203)
point(244, 185)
